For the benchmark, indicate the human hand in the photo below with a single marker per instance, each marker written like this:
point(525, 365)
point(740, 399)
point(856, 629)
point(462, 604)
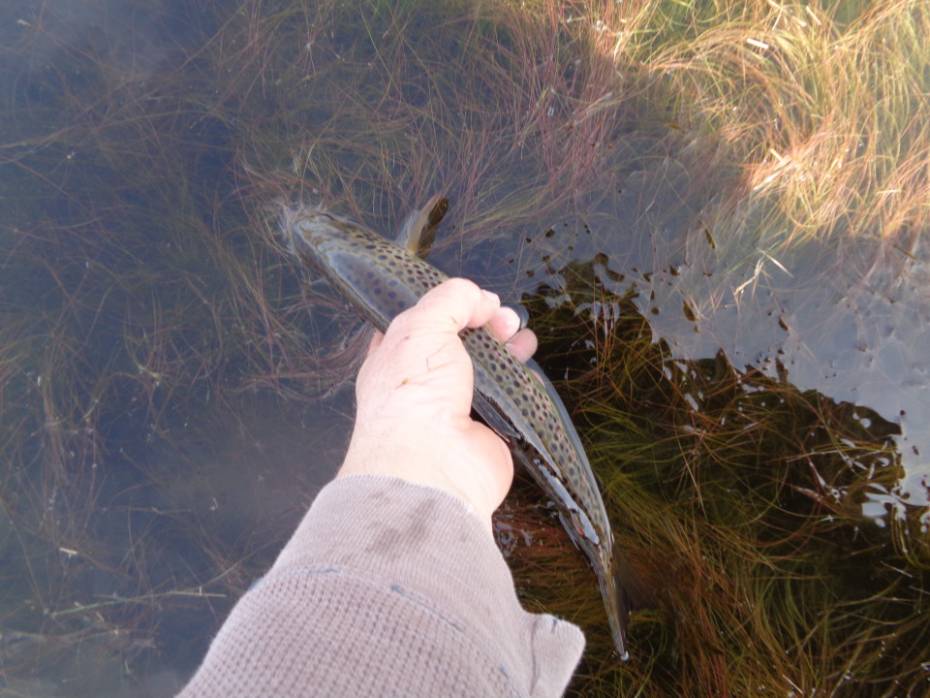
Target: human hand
point(414, 394)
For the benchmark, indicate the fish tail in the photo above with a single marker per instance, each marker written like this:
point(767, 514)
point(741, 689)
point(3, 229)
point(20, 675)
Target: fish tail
point(617, 617)
point(623, 591)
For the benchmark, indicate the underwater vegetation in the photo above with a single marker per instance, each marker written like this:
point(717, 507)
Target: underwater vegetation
point(715, 211)
point(736, 508)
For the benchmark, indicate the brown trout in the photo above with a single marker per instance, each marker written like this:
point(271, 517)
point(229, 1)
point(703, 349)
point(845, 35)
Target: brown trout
point(382, 279)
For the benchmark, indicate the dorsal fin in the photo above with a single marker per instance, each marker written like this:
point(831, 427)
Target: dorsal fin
point(419, 230)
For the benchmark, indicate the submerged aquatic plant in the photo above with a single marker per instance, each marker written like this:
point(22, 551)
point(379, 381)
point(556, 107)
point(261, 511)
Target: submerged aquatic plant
point(149, 324)
point(737, 500)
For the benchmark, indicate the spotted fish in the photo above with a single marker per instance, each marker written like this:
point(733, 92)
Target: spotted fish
point(381, 279)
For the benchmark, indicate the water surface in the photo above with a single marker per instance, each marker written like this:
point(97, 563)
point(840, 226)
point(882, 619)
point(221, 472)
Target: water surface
point(174, 389)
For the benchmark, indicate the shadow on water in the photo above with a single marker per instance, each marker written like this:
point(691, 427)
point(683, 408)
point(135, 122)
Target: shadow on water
point(755, 410)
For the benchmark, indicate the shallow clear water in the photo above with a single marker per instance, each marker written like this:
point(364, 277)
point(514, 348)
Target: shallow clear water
point(173, 390)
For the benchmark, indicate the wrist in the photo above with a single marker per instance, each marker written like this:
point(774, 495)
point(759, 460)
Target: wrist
point(412, 468)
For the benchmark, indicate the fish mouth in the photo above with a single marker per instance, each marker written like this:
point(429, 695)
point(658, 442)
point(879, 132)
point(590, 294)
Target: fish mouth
point(305, 229)
point(314, 226)
point(290, 220)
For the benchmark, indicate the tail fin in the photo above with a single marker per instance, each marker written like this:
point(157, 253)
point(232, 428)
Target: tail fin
point(623, 592)
point(615, 603)
point(617, 616)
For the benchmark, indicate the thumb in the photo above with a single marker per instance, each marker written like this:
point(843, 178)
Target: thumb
point(498, 471)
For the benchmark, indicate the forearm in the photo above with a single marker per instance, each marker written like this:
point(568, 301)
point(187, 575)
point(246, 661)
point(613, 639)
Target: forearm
point(387, 588)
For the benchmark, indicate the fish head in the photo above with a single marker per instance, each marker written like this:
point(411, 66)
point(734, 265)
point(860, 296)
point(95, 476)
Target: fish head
point(378, 277)
point(320, 237)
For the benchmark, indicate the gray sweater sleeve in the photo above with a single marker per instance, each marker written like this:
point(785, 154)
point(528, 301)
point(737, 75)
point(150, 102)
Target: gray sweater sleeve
point(387, 589)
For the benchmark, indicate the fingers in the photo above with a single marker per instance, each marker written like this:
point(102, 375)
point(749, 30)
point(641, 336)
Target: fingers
point(503, 324)
point(453, 305)
point(459, 303)
point(523, 345)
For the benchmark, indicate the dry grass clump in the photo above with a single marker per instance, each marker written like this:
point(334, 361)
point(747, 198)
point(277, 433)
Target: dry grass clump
point(822, 104)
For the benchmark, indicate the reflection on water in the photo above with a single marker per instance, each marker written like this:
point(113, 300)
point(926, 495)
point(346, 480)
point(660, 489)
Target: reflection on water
point(172, 386)
point(848, 318)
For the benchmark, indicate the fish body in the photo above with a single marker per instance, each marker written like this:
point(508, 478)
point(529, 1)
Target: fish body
point(382, 279)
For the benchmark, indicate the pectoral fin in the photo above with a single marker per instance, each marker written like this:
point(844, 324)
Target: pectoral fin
point(419, 230)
